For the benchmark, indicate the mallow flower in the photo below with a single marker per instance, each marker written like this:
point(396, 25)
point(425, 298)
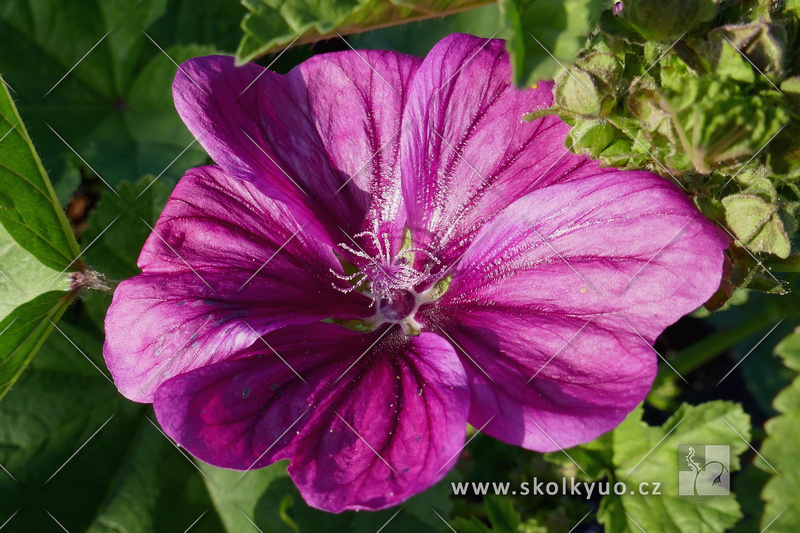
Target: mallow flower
point(385, 252)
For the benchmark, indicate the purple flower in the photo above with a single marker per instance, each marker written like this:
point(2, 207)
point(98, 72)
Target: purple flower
point(384, 252)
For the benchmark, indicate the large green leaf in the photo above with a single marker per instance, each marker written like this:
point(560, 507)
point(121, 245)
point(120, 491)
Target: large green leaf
point(36, 249)
point(23, 277)
point(779, 451)
point(32, 297)
point(273, 24)
point(90, 71)
point(79, 451)
point(545, 33)
point(29, 209)
point(646, 454)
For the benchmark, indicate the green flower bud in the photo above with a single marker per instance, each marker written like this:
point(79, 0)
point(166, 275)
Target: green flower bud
point(667, 19)
point(756, 218)
point(590, 137)
point(720, 123)
point(762, 43)
point(589, 88)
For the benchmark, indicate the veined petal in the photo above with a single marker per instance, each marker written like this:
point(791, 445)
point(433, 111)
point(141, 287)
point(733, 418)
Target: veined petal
point(224, 263)
point(324, 138)
point(629, 243)
point(366, 421)
point(575, 282)
point(548, 382)
point(467, 153)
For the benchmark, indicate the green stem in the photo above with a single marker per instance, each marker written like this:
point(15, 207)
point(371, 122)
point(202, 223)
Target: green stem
point(705, 350)
point(700, 353)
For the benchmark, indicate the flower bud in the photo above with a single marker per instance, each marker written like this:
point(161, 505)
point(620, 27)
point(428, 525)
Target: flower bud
point(667, 19)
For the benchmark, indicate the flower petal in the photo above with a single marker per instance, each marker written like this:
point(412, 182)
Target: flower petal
point(574, 282)
point(223, 262)
point(548, 382)
point(367, 421)
point(324, 137)
point(467, 153)
point(619, 242)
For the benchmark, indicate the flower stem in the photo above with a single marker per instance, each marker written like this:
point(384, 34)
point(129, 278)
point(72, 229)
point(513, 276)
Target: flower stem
point(705, 350)
point(665, 386)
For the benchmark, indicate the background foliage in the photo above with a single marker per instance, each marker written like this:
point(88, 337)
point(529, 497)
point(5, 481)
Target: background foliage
point(703, 92)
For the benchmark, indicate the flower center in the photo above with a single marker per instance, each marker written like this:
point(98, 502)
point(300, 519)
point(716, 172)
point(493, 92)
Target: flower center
point(391, 280)
point(392, 286)
point(397, 304)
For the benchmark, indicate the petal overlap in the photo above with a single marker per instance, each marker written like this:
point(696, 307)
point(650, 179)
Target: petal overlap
point(367, 420)
point(224, 264)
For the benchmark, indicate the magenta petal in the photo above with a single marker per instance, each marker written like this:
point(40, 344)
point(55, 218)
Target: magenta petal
point(372, 421)
point(324, 137)
point(545, 382)
point(223, 260)
point(467, 153)
point(619, 242)
point(621, 255)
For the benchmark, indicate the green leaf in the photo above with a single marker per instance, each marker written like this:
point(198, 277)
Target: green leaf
point(31, 296)
point(133, 500)
point(471, 525)
point(23, 277)
point(200, 21)
point(502, 515)
point(748, 485)
point(88, 456)
point(779, 450)
point(36, 248)
point(237, 495)
point(647, 454)
point(789, 350)
point(273, 24)
point(540, 28)
point(29, 209)
point(108, 102)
